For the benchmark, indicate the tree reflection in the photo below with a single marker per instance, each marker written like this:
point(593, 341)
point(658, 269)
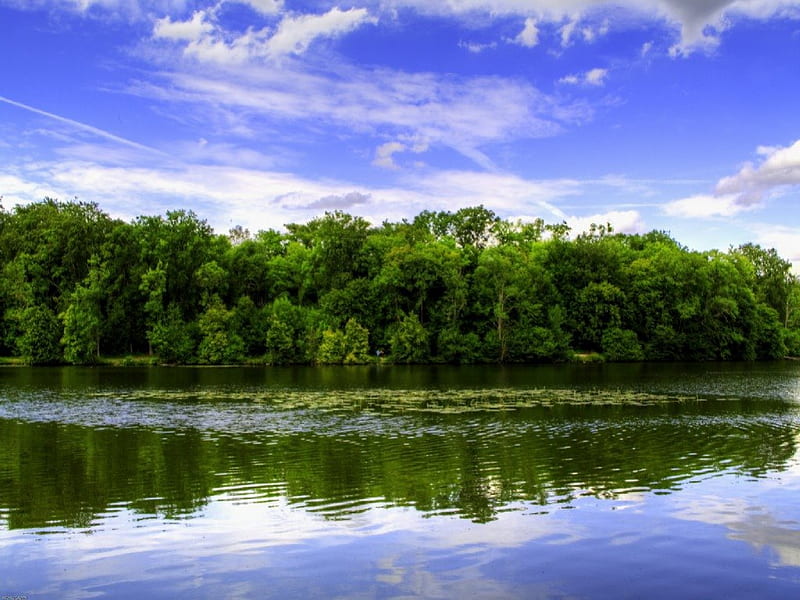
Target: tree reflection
point(472, 464)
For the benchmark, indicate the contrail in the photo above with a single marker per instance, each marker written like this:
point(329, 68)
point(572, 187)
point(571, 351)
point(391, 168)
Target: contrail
point(79, 125)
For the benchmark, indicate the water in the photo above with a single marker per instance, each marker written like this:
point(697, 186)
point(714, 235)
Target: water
point(610, 481)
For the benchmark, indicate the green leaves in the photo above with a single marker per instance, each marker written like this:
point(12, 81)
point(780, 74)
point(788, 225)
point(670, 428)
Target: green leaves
point(409, 340)
point(461, 286)
point(40, 331)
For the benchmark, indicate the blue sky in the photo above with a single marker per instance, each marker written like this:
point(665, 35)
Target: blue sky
point(678, 115)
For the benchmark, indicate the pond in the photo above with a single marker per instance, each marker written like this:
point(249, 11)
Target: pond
point(594, 481)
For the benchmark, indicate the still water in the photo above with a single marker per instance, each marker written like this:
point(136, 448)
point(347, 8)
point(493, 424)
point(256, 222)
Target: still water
point(610, 481)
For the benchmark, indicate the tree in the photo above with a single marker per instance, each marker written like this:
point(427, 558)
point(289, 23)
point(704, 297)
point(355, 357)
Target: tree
point(172, 338)
point(600, 308)
point(333, 347)
point(83, 320)
point(285, 333)
point(218, 343)
point(356, 342)
point(154, 285)
point(621, 345)
point(212, 281)
point(178, 245)
point(773, 278)
point(38, 343)
point(336, 241)
point(409, 340)
point(250, 324)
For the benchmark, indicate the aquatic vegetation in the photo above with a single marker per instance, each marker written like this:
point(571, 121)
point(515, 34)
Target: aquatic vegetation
point(409, 400)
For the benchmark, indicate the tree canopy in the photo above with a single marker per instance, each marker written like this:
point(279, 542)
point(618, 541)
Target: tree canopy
point(444, 287)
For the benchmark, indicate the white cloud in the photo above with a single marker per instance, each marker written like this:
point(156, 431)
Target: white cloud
point(205, 40)
point(785, 239)
point(445, 110)
point(529, 36)
point(594, 77)
point(265, 7)
point(384, 155)
point(476, 48)
point(699, 22)
point(705, 206)
point(590, 32)
point(20, 190)
point(295, 34)
point(780, 167)
point(567, 30)
point(748, 189)
point(261, 198)
point(627, 221)
point(194, 29)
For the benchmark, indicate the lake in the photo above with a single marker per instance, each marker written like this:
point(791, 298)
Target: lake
point(595, 481)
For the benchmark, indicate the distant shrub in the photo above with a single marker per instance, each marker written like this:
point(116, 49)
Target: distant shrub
point(621, 345)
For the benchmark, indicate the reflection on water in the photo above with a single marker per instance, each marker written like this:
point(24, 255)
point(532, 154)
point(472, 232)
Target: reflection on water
point(333, 464)
point(407, 482)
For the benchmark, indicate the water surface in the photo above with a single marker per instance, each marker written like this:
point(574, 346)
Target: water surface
point(370, 482)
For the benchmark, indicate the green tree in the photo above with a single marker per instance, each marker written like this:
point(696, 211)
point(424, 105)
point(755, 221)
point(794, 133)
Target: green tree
point(356, 341)
point(250, 324)
point(218, 343)
point(286, 333)
point(621, 345)
point(333, 347)
point(410, 340)
point(83, 319)
point(38, 343)
point(172, 338)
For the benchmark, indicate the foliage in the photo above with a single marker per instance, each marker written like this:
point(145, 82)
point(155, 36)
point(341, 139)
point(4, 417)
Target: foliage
point(621, 345)
point(219, 344)
point(409, 340)
point(461, 287)
point(172, 337)
point(38, 342)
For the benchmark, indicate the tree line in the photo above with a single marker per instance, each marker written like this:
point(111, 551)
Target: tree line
point(461, 287)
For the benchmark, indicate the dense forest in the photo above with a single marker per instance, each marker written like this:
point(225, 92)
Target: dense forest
point(463, 286)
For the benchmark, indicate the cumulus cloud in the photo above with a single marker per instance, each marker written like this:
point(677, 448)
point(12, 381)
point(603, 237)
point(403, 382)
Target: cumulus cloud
point(779, 167)
point(748, 189)
point(529, 36)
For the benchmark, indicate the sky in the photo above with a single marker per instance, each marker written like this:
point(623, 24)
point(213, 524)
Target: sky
point(674, 115)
